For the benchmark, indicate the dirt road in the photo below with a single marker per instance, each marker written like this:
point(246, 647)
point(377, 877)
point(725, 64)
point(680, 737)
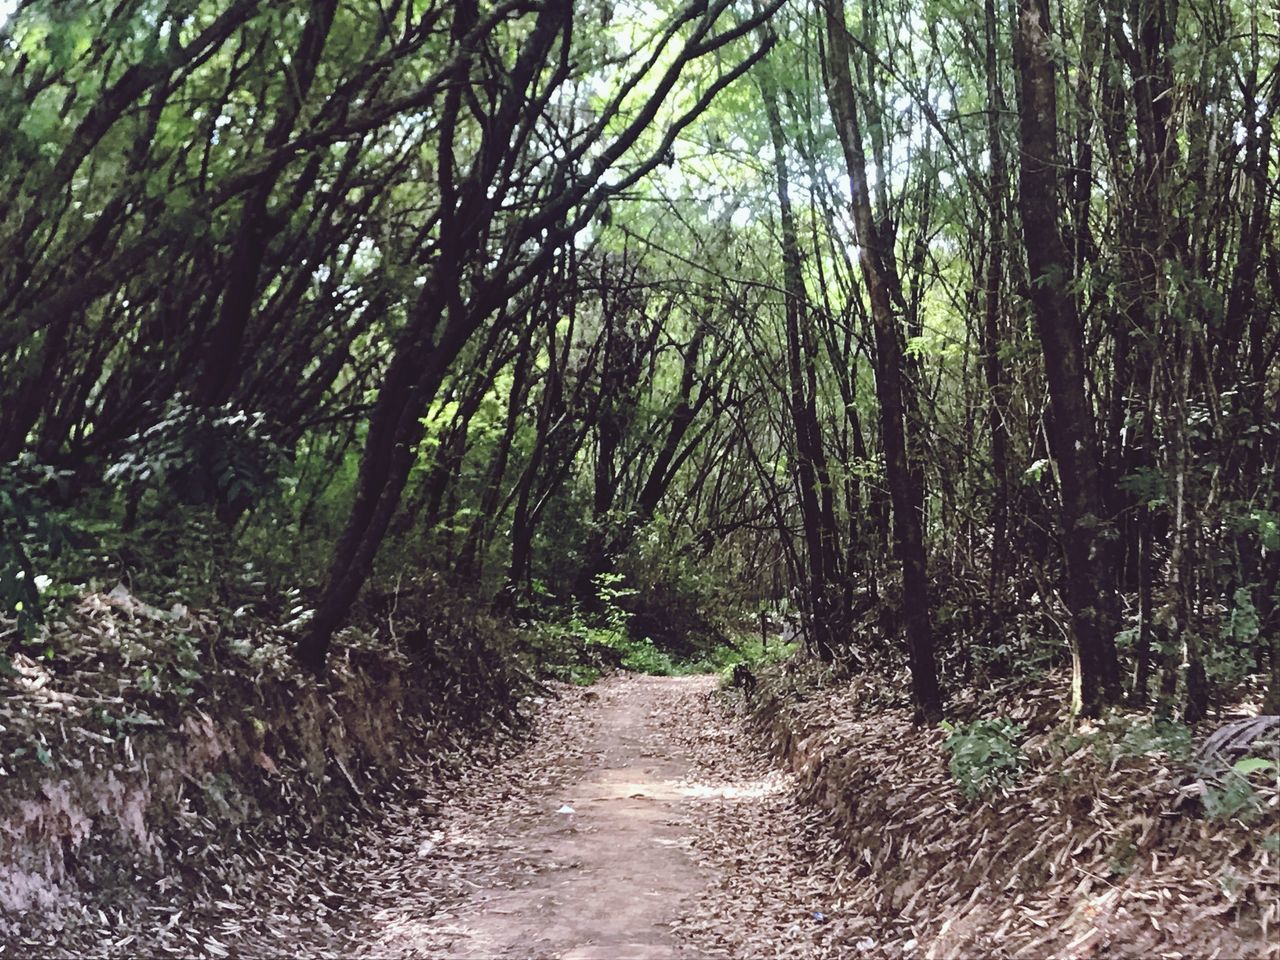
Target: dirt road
point(637, 821)
point(636, 825)
point(596, 860)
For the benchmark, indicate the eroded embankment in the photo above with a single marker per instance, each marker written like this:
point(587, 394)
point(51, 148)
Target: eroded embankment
point(1096, 848)
point(160, 753)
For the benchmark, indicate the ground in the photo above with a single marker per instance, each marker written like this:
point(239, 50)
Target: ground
point(590, 864)
point(637, 823)
point(640, 819)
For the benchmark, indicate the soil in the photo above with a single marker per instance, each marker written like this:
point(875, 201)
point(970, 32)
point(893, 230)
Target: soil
point(638, 823)
point(641, 820)
point(594, 862)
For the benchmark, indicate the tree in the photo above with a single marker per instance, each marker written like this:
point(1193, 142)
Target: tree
point(828, 623)
point(905, 481)
point(563, 201)
point(1086, 539)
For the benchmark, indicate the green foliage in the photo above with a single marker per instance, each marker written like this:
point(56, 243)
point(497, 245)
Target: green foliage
point(1249, 765)
point(1230, 658)
point(172, 671)
point(1229, 794)
point(683, 606)
point(556, 650)
point(222, 457)
point(985, 756)
point(746, 648)
point(1121, 735)
point(1148, 485)
point(578, 647)
point(611, 630)
point(610, 591)
point(1267, 525)
point(1242, 625)
point(640, 655)
point(1234, 799)
point(1160, 736)
point(184, 555)
point(1035, 471)
point(30, 532)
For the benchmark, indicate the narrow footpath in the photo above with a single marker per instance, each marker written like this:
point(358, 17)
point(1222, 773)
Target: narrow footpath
point(596, 865)
point(637, 823)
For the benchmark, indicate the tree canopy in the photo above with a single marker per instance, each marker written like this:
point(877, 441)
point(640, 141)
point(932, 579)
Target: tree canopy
point(945, 330)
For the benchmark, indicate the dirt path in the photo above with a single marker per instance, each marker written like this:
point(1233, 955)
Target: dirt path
point(682, 842)
point(638, 821)
point(596, 865)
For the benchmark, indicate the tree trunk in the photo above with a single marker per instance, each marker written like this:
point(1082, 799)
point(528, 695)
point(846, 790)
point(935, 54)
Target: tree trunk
point(220, 369)
point(470, 565)
point(828, 632)
point(905, 486)
point(1090, 583)
point(997, 391)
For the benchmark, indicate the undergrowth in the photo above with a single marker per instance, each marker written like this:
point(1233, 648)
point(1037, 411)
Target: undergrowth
point(985, 755)
point(579, 646)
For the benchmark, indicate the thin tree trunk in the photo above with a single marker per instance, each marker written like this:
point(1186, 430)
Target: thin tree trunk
point(470, 565)
point(827, 629)
point(222, 353)
point(1090, 583)
point(991, 339)
point(905, 487)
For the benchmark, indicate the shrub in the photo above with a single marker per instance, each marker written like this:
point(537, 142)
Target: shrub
point(1160, 736)
point(985, 755)
point(681, 605)
point(1229, 795)
point(219, 457)
point(30, 533)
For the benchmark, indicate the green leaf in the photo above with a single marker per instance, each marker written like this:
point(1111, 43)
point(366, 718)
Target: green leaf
point(1035, 471)
point(1251, 765)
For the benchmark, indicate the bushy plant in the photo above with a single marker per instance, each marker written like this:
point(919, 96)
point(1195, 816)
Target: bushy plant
point(985, 755)
point(684, 607)
point(1230, 657)
point(1229, 795)
point(613, 630)
point(30, 531)
point(1160, 736)
point(747, 649)
point(218, 457)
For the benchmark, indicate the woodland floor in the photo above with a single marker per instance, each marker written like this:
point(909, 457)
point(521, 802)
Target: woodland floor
point(639, 820)
point(682, 841)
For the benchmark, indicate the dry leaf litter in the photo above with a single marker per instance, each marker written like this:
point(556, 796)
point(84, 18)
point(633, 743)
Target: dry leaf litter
point(172, 787)
point(376, 836)
point(1094, 850)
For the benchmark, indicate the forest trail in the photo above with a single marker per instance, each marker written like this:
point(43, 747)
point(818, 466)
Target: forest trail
point(684, 841)
point(610, 878)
